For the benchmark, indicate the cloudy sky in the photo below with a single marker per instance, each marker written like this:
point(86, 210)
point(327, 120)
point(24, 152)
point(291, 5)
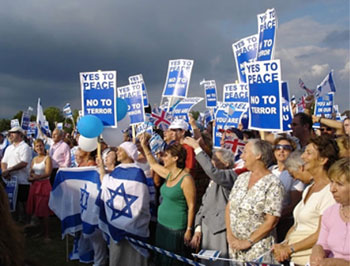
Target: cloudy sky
point(45, 44)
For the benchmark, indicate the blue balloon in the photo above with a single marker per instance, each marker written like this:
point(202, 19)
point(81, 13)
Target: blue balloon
point(122, 109)
point(90, 126)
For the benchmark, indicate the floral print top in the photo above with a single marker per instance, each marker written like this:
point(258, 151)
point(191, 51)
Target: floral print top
point(247, 212)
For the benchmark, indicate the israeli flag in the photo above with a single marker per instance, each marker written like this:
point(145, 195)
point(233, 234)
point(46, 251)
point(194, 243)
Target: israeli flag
point(124, 203)
point(67, 111)
point(73, 198)
point(327, 85)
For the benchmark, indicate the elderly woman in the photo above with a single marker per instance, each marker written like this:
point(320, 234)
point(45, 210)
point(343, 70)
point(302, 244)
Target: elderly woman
point(319, 155)
point(283, 146)
point(176, 211)
point(333, 245)
point(210, 226)
point(254, 205)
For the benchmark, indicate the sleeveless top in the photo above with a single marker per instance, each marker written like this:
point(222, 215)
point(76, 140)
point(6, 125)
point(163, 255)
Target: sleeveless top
point(172, 212)
point(39, 168)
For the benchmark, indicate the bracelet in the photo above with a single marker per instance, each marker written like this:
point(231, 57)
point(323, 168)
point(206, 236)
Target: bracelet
point(189, 228)
point(250, 241)
point(291, 248)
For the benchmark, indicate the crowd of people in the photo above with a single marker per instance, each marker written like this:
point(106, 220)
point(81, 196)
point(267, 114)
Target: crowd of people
point(285, 198)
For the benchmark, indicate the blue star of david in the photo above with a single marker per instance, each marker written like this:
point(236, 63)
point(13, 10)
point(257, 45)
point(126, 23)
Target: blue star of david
point(84, 196)
point(128, 199)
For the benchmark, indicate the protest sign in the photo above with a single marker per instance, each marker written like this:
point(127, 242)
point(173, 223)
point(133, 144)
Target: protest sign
point(244, 51)
point(32, 129)
point(264, 81)
point(237, 95)
point(14, 123)
point(132, 94)
point(210, 93)
point(286, 108)
point(25, 120)
point(145, 127)
point(11, 188)
point(221, 118)
point(139, 79)
point(98, 96)
point(184, 107)
point(324, 107)
point(235, 92)
point(267, 25)
point(178, 78)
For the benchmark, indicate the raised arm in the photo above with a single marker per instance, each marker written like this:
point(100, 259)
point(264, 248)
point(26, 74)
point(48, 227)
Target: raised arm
point(156, 167)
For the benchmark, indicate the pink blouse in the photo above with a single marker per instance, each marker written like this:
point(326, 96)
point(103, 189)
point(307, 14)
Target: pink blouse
point(334, 236)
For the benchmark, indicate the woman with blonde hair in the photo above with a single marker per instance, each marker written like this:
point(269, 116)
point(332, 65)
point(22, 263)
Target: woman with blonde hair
point(333, 245)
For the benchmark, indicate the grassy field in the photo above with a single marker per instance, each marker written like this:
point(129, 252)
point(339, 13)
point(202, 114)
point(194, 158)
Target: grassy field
point(52, 253)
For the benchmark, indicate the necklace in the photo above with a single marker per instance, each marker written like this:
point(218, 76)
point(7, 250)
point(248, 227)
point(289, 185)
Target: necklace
point(342, 209)
point(172, 179)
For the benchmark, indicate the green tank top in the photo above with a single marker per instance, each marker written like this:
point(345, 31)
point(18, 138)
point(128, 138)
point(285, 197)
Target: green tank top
point(172, 212)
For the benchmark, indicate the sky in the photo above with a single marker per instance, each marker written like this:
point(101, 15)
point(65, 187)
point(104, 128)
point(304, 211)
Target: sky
point(45, 44)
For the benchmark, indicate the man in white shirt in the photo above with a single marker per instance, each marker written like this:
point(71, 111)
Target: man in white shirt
point(16, 163)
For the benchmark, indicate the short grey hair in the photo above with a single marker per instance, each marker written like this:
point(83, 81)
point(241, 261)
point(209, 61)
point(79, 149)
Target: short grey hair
point(227, 156)
point(264, 149)
point(294, 161)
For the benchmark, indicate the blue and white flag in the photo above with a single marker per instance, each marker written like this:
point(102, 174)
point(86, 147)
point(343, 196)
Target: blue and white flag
point(178, 78)
point(132, 94)
point(324, 107)
point(267, 25)
point(327, 85)
point(124, 203)
point(338, 116)
point(60, 126)
point(265, 94)
point(99, 96)
point(286, 108)
point(139, 79)
point(67, 111)
point(73, 198)
point(210, 93)
point(40, 118)
point(25, 120)
point(245, 51)
point(182, 110)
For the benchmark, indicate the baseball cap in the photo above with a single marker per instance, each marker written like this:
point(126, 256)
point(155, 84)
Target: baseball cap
point(179, 124)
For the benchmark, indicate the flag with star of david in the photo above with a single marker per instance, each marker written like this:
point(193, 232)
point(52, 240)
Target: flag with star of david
point(124, 203)
point(73, 199)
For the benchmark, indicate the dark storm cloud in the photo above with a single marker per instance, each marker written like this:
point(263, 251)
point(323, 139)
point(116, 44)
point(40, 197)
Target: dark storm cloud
point(45, 44)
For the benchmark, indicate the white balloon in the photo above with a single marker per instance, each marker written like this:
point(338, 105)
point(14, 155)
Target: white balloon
point(114, 136)
point(87, 144)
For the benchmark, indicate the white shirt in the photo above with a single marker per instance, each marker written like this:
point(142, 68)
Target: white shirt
point(14, 154)
point(288, 182)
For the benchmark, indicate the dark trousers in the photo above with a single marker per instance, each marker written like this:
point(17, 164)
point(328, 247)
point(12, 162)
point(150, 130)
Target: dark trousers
point(53, 175)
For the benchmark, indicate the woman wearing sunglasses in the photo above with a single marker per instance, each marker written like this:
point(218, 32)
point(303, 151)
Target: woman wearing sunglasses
point(283, 146)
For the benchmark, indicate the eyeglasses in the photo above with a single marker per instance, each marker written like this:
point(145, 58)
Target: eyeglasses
point(283, 147)
point(325, 129)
